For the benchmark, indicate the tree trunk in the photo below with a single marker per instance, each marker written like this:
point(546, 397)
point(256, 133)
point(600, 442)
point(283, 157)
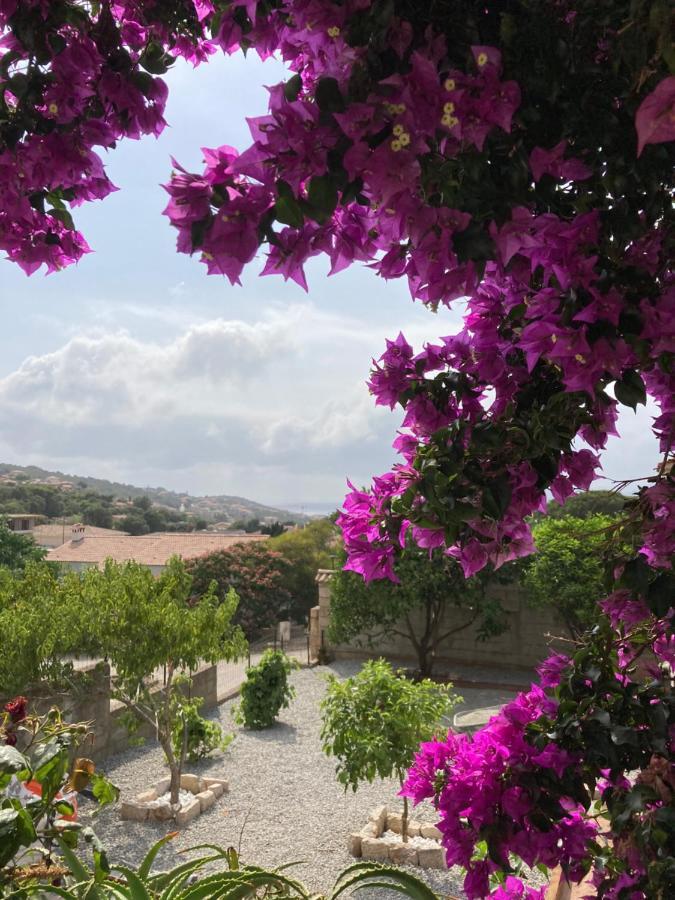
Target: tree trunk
point(404, 817)
point(174, 788)
point(425, 661)
point(175, 765)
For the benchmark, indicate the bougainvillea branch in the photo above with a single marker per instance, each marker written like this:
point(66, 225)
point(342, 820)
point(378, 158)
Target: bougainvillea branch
point(515, 157)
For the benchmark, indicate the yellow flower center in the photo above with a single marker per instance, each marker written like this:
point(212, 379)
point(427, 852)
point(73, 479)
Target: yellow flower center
point(404, 139)
point(579, 358)
point(398, 130)
point(334, 31)
point(554, 338)
point(449, 121)
point(448, 107)
point(449, 84)
point(396, 145)
point(482, 59)
point(53, 108)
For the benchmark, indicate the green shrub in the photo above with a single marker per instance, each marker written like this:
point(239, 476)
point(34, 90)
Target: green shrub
point(266, 690)
point(203, 736)
point(374, 723)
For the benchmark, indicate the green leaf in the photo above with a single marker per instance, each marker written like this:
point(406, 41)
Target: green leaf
point(64, 216)
point(154, 59)
point(624, 734)
point(198, 232)
point(630, 389)
point(12, 762)
point(149, 858)
point(328, 96)
point(104, 791)
point(287, 209)
point(137, 890)
point(322, 198)
point(292, 88)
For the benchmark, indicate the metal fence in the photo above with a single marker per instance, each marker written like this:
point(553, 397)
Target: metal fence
point(231, 675)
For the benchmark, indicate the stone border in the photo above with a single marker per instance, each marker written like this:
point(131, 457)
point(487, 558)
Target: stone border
point(145, 808)
point(368, 843)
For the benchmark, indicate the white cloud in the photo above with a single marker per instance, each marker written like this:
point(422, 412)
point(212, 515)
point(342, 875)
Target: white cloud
point(273, 408)
point(278, 404)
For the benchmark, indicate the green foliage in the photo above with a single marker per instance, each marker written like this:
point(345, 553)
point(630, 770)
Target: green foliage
point(417, 608)
point(257, 573)
point(17, 550)
point(42, 750)
point(306, 549)
point(41, 621)
point(567, 571)
point(588, 503)
point(266, 690)
point(374, 722)
point(216, 875)
point(202, 736)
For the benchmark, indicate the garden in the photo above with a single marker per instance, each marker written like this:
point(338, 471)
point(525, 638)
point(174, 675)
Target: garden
point(513, 160)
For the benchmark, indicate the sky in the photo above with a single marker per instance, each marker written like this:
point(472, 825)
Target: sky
point(136, 366)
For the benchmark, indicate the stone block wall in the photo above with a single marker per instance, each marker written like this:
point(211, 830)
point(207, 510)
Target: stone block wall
point(526, 642)
point(91, 701)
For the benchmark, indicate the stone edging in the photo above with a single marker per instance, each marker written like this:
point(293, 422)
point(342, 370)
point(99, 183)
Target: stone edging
point(146, 807)
point(368, 843)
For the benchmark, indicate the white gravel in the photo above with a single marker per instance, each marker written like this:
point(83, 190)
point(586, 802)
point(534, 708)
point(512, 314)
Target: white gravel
point(284, 803)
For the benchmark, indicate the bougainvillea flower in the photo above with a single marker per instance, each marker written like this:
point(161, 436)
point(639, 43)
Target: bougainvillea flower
point(655, 117)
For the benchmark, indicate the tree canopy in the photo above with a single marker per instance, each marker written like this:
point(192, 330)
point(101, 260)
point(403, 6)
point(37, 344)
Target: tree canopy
point(307, 549)
point(429, 604)
point(257, 573)
point(567, 571)
point(17, 550)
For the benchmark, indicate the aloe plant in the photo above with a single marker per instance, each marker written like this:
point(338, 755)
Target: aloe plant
point(231, 881)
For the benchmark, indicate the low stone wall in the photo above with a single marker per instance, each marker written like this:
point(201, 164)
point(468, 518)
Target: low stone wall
point(153, 805)
point(423, 847)
point(91, 701)
point(525, 643)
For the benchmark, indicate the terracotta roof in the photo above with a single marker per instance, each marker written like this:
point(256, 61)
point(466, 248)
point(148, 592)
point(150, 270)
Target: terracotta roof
point(148, 549)
point(54, 528)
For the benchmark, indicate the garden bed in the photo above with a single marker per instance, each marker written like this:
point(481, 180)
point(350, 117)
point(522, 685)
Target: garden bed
point(197, 794)
point(381, 840)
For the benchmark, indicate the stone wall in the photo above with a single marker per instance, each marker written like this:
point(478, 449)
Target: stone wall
point(522, 646)
point(91, 702)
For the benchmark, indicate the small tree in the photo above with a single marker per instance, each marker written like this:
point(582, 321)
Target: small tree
point(374, 722)
point(141, 623)
point(415, 608)
point(258, 575)
point(567, 571)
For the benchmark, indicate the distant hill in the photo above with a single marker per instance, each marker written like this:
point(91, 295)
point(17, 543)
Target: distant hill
point(212, 508)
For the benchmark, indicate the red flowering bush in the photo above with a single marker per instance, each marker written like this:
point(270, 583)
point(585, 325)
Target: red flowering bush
point(518, 155)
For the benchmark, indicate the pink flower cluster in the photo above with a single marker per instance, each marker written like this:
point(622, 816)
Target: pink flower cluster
point(544, 276)
point(484, 790)
point(73, 84)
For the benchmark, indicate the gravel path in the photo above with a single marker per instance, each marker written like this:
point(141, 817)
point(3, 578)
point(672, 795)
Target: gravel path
point(284, 802)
